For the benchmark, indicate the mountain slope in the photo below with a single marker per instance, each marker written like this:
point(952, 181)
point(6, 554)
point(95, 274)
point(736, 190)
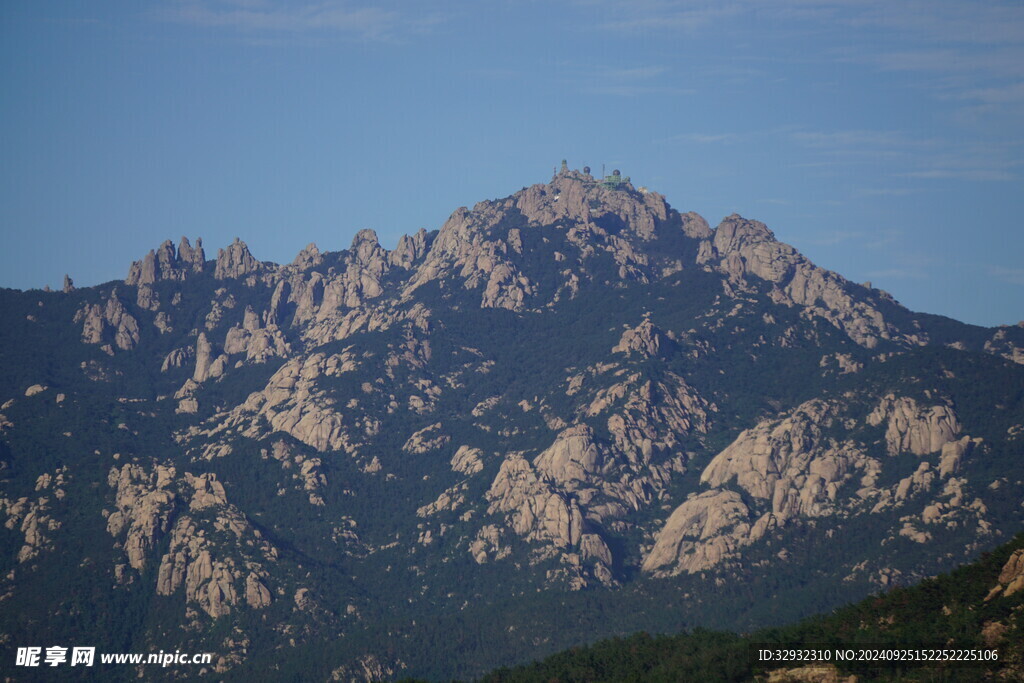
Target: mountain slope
point(571, 401)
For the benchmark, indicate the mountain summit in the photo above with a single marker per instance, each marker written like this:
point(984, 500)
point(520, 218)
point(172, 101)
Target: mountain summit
point(455, 454)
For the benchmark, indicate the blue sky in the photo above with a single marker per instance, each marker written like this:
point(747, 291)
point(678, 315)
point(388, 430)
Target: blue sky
point(884, 139)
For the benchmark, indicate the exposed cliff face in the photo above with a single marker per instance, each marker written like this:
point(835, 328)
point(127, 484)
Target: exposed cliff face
point(216, 581)
point(209, 363)
point(702, 532)
point(544, 513)
point(792, 464)
point(110, 324)
point(34, 516)
point(581, 481)
point(467, 460)
point(788, 467)
point(1011, 578)
point(291, 403)
point(793, 471)
point(914, 429)
point(145, 503)
point(192, 510)
point(537, 512)
point(256, 342)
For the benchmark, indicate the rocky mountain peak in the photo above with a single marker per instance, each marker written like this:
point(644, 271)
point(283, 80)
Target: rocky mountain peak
point(366, 248)
point(695, 226)
point(410, 249)
point(736, 232)
point(578, 197)
point(487, 246)
point(235, 261)
point(194, 256)
point(310, 257)
point(646, 340)
point(165, 263)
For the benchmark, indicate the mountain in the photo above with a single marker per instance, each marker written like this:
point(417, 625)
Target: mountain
point(568, 414)
point(975, 609)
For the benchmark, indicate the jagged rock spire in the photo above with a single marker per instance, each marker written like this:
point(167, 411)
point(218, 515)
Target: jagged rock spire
point(235, 261)
point(166, 264)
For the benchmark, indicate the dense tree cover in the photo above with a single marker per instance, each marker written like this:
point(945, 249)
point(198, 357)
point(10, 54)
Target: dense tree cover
point(949, 610)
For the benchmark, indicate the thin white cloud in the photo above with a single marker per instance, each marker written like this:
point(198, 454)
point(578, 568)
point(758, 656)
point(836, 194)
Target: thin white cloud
point(971, 161)
point(498, 73)
point(639, 73)
point(885, 191)
point(979, 174)
point(972, 52)
point(858, 139)
point(339, 17)
point(949, 21)
point(706, 139)
point(866, 239)
point(647, 15)
point(913, 158)
point(627, 81)
point(627, 90)
point(912, 265)
point(897, 273)
point(832, 237)
point(1013, 276)
point(1005, 94)
point(962, 50)
point(994, 22)
point(959, 61)
point(883, 239)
